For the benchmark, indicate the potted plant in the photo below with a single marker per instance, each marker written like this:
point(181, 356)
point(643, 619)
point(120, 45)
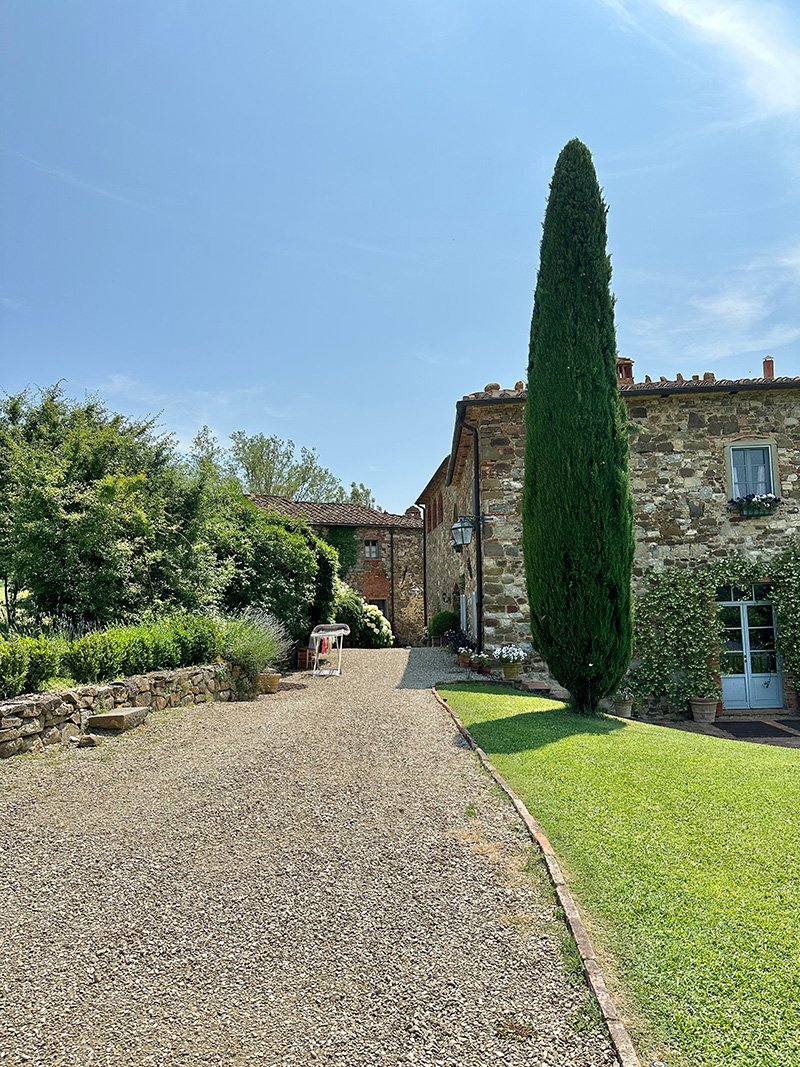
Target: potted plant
point(623, 702)
point(704, 708)
point(438, 626)
point(464, 656)
point(268, 681)
point(482, 662)
point(510, 658)
point(755, 504)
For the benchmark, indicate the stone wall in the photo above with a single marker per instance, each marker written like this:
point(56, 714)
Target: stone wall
point(680, 484)
point(449, 572)
point(502, 451)
point(680, 480)
point(408, 608)
point(31, 723)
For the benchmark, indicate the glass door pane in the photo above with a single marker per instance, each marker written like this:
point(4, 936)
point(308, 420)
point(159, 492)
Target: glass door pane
point(764, 678)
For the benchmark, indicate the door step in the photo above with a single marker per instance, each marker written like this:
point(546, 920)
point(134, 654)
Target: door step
point(750, 714)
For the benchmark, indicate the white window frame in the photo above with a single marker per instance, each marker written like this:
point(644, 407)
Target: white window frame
point(372, 548)
point(736, 491)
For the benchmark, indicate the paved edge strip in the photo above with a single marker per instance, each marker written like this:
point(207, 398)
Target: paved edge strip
point(620, 1038)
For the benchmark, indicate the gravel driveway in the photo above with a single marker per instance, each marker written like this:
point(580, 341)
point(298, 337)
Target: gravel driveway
point(324, 876)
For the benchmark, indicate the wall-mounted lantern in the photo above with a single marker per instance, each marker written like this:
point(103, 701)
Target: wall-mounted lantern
point(462, 530)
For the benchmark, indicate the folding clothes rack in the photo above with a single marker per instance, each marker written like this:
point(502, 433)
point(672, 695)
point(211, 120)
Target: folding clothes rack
point(329, 631)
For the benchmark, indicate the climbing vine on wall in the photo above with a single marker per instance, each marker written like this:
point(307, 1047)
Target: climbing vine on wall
point(786, 597)
point(344, 540)
point(678, 630)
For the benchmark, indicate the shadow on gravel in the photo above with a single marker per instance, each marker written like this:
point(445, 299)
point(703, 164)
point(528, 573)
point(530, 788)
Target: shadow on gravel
point(427, 666)
point(534, 725)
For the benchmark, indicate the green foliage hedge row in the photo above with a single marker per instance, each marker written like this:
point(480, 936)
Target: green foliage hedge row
point(252, 640)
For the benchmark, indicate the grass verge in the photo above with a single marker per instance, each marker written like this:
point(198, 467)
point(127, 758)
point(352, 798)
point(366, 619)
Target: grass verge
point(684, 854)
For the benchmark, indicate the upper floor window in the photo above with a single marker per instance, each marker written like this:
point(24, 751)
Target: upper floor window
point(372, 550)
point(751, 470)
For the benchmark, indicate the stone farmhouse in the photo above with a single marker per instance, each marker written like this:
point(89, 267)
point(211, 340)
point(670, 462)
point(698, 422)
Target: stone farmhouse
point(695, 444)
point(388, 570)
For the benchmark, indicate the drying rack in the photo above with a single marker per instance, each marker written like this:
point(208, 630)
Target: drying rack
point(336, 633)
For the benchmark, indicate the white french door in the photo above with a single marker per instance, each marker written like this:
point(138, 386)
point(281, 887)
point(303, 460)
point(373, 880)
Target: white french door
point(749, 667)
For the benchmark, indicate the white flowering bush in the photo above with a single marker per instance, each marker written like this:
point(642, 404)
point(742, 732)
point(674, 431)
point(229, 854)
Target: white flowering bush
point(510, 654)
point(369, 627)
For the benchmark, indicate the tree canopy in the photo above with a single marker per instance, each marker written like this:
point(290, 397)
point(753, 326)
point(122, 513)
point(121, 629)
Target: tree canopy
point(270, 466)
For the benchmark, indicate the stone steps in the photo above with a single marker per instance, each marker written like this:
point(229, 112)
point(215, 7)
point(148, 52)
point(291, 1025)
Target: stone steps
point(119, 720)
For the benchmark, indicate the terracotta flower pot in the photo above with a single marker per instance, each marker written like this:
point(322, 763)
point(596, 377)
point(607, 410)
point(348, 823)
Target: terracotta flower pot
point(268, 682)
point(463, 661)
point(704, 709)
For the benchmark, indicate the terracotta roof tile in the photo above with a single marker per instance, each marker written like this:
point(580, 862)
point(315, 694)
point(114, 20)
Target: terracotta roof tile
point(320, 513)
point(687, 385)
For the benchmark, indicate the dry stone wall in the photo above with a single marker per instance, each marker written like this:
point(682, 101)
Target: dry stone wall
point(31, 723)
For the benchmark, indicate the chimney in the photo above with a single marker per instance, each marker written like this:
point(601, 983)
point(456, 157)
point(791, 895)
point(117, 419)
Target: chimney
point(769, 367)
point(624, 370)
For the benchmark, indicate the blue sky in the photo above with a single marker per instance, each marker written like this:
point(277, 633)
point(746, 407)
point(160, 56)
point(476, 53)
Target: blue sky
point(322, 220)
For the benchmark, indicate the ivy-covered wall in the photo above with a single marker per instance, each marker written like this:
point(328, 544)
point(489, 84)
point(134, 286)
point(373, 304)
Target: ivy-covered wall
point(679, 631)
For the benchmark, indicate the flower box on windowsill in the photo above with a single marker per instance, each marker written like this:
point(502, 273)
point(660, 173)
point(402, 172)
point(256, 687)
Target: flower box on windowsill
point(754, 506)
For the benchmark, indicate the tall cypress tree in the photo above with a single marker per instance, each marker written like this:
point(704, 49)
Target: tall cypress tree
point(577, 510)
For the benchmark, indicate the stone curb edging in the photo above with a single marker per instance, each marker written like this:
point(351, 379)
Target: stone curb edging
point(620, 1038)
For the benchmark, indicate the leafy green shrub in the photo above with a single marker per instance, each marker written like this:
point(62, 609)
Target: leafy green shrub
point(442, 622)
point(254, 641)
point(14, 664)
point(199, 637)
point(96, 657)
point(369, 628)
point(138, 649)
point(44, 660)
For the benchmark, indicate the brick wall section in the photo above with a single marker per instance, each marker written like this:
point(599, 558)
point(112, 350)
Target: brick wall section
point(373, 577)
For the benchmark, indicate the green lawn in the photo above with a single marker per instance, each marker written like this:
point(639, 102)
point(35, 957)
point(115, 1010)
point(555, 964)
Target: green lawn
point(683, 852)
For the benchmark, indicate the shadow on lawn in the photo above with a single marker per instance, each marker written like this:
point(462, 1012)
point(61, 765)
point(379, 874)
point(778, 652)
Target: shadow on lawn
point(522, 730)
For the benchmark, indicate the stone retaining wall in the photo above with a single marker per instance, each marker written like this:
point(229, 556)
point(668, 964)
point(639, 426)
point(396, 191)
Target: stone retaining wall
point(29, 723)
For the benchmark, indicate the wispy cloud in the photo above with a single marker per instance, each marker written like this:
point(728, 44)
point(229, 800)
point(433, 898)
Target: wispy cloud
point(761, 39)
point(749, 310)
point(758, 37)
point(12, 303)
point(186, 411)
point(76, 181)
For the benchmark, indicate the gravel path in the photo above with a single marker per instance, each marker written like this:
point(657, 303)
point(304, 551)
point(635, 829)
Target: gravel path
point(324, 876)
